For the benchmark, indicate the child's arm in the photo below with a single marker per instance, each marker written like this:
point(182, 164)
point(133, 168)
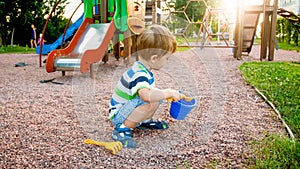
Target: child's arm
point(155, 95)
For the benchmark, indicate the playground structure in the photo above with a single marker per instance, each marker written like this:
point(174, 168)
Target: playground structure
point(246, 23)
point(104, 21)
point(247, 18)
point(200, 29)
point(206, 29)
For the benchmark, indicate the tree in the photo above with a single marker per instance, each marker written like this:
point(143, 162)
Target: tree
point(288, 29)
point(279, 29)
point(18, 15)
point(56, 23)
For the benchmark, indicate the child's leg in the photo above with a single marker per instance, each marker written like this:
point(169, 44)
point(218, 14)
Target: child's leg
point(127, 117)
point(140, 114)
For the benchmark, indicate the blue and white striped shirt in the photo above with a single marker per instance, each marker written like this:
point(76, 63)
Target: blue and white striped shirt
point(135, 78)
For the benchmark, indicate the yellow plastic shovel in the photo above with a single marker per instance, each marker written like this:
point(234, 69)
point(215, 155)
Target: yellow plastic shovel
point(113, 146)
point(183, 97)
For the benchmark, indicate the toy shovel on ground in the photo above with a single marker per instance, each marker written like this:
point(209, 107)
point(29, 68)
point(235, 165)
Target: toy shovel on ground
point(114, 146)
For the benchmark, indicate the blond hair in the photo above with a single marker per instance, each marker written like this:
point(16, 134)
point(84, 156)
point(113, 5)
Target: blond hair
point(155, 40)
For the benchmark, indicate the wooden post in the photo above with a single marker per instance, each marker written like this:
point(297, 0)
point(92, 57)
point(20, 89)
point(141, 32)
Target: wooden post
point(91, 71)
point(158, 15)
point(104, 19)
point(273, 31)
point(239, 31)
point(263, 47)
point(104, 11)
point(116, 43)
point(154, 15)
point(127, 47)
point(267, 34)
point(134, 45)
point(106, 57)
point(236, 34)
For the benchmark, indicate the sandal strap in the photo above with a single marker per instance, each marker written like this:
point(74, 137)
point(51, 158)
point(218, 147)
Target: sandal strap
point(124, 135)
point(153, 125)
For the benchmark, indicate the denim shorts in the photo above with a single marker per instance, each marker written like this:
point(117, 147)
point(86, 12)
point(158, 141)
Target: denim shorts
point(124, 111)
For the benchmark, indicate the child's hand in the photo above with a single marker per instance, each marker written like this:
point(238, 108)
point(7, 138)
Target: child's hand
point(174, 95)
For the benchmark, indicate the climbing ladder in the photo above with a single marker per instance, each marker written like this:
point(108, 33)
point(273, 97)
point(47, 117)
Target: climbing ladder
point(246, 23)
point(251, 18)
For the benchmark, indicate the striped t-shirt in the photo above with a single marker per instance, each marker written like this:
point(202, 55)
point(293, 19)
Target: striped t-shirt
point(135, 78)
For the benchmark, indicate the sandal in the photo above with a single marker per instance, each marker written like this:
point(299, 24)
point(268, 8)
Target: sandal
point(153, 125)
point(21, 64)
point(52, 81)
point(124, 135)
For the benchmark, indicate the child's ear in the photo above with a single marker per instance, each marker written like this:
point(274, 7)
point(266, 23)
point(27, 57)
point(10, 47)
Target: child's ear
point(153, 58)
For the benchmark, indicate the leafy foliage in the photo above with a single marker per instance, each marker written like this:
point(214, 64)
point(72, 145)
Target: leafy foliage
point(286, 32)
point(16, 17)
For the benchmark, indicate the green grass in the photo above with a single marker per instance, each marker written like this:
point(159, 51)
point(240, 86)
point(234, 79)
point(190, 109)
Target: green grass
point(276, 151)
point(281, 45)
point(180, 40)
point(257, 41)
point(16, 49)
point(285, 46)
point(279, 82)
point(185, 165)
point(182, 49)
point(27, 50)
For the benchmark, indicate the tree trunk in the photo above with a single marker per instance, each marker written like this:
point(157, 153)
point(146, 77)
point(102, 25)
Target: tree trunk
point(0, 40)
point(12, 37)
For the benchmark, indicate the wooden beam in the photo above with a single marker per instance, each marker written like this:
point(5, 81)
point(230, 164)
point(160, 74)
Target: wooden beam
point(127, 47)
point(237, 27)
point(116, 44)
point(104, 11)
point(154, 15)
point(263, 46)
point(273, 31)
point(208, 46)
point(240, 39)
point(259, 8)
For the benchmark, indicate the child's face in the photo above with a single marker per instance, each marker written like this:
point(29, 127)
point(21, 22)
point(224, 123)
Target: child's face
point(161, 61)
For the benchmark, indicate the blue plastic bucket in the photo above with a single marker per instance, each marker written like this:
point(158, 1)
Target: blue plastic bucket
point(180, 109)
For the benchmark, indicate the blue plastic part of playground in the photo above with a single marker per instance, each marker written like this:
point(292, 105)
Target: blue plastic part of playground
point(47, 48)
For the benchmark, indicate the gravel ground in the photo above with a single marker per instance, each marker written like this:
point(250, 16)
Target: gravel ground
point(43, 125)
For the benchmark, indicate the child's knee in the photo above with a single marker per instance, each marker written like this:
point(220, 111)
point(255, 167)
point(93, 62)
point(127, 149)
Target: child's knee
point(152, 106)
point(147, 108)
